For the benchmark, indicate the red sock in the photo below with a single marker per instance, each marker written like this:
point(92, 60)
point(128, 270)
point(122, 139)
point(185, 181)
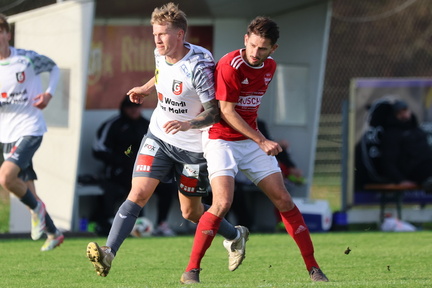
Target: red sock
point(296, 227)
point(206, 230)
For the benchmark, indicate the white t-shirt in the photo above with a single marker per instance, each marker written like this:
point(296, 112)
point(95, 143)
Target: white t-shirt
point(20, 83)
point(182, 88)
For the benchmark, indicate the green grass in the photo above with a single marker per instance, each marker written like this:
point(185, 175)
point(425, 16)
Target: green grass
point(327, 188)
point(377, 260)
point(4, 211)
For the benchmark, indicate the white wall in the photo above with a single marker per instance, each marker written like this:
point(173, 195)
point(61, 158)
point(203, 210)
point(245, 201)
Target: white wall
point(61, 31)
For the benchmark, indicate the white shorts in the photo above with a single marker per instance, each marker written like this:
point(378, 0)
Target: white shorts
point(226, 158)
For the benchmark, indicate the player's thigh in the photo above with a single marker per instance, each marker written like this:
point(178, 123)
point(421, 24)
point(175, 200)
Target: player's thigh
point(9, 170)
point(142, 189)
point(222, 195)
point(221, 159)
point(274, 187)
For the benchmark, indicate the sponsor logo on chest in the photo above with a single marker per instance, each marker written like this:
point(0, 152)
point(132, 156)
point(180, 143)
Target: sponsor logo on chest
point(177, 87)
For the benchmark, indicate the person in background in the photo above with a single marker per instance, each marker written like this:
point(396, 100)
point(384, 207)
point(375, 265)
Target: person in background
point(172, 148)
point(235, 143)
point(406, 156)
point(116, 144)
point(22, 127)
point(289, 169)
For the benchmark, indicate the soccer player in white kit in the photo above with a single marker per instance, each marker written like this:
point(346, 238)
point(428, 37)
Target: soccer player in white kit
point(241, 80)
point(172, 147)
point(22, 127)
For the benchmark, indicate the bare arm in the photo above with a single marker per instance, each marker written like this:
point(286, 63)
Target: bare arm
point(231, 116)
point(137, 94)
point(209, 116)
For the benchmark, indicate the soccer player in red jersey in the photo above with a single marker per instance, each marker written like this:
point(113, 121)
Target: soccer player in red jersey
point(241, 79)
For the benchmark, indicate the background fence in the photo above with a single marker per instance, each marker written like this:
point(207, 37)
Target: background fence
point(368, 38)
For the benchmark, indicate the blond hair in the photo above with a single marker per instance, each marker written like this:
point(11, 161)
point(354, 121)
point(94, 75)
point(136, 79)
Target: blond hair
point(169, 13)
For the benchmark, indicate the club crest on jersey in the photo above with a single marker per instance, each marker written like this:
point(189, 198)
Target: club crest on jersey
point(20, 76)
point(267, 78)
point(177, 87)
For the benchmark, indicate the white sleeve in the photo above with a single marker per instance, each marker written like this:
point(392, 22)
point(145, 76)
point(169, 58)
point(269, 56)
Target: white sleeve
point(53, 80)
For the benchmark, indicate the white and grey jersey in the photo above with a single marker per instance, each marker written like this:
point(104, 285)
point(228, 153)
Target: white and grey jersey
point(182, 88)
point(20, 84)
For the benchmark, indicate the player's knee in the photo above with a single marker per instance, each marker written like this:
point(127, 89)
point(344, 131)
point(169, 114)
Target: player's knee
point(220, 208)
point(191, 216)
point(284, 203)
point(7, 181)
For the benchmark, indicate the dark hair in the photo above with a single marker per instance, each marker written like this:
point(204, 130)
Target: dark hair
point(4, 25)
point(170, 13)
point(399, 105)
point(127, 103)
point(264, 27)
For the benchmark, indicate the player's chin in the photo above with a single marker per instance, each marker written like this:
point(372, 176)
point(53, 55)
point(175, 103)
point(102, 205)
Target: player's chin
point(161, 51)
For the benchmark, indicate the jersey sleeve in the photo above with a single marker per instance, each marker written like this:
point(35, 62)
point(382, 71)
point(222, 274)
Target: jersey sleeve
point(227, 83)
point(203, 80)
point(53, 80)
point(40, 62)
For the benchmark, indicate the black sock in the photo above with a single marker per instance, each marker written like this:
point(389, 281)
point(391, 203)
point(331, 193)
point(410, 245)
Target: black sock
point(29, 200)
point(51, 228)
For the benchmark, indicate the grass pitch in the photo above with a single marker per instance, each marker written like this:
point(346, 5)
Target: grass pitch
point(376, 259)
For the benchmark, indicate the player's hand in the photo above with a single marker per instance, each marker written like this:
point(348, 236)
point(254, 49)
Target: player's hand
point(41, 101)
point(175, 126)
point(271, 148)
point(137, 94)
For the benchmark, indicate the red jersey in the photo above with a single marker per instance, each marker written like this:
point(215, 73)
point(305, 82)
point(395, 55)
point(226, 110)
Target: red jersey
point(238, 82)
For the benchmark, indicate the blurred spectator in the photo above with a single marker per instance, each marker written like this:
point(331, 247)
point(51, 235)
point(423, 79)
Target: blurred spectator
point(394, 149)
point(116, 144)
point(406, 157)
point(290, 171)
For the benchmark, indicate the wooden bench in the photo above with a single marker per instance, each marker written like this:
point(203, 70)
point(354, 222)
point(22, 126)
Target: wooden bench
point(393, 192)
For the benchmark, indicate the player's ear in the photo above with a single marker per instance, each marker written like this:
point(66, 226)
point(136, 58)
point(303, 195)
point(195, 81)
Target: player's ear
point(180, 34)
point(246, 38)
point(275, 46)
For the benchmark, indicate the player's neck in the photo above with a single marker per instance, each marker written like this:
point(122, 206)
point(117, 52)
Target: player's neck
point(177, 56)
point(4, 52)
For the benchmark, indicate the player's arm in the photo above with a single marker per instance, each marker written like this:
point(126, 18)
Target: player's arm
point(137, 94)
point(230, 115)
point(41, 100)
point(209, 116)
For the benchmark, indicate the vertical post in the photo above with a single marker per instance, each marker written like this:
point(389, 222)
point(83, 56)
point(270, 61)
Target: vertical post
point(345, 167)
